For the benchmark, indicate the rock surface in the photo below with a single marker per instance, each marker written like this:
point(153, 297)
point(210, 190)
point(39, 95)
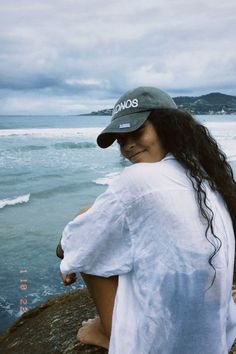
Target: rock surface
point(51, 328)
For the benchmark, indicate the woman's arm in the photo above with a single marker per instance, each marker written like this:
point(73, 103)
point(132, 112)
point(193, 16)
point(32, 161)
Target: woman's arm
point(69, 278)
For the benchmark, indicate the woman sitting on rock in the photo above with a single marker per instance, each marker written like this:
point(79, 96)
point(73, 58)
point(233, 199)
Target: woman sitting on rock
point(156, 250)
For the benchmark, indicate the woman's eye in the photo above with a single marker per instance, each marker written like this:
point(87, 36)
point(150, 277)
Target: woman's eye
point(140, 130)
point(120, 142)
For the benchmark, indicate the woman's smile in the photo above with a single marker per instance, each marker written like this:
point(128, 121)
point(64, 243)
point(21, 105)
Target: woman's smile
point(142, 145)
point(136, 155)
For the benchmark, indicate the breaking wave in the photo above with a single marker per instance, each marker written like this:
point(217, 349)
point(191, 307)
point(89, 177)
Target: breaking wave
point(52, 132)
point(63, 189)
point(7, 306)
point(32, 147)
point(13, 201)
point(71, 145)
point(106, 180)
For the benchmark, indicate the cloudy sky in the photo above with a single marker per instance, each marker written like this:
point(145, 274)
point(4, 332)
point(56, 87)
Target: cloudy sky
point(76, 56)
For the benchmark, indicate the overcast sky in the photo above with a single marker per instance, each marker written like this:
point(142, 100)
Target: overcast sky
point(75, 56)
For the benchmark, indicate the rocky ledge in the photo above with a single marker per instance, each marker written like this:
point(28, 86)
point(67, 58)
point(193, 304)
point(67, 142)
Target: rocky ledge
point(51, 328)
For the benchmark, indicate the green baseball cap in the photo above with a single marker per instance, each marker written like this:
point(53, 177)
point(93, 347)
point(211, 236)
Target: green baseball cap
point(132, 110)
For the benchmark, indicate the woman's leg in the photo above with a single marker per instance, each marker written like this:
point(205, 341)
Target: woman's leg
point(103, 292)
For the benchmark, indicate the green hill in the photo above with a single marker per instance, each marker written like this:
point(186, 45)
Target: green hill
point(212, 103)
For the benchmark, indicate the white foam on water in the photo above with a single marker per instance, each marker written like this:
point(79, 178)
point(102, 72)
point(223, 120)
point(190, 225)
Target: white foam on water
point(107, 179)
point(13, 201)
point(222, 129)
point(7, 306)
point(52, 132)
point(232, 158)
point(225, 135)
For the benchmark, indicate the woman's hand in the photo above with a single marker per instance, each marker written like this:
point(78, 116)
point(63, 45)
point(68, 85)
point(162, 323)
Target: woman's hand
point(68, 279)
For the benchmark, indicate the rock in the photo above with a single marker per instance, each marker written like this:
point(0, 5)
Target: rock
point(233, 350)
point(51, 327)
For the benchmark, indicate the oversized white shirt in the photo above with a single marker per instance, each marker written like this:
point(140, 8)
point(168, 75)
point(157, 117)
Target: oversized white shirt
point(147, 229)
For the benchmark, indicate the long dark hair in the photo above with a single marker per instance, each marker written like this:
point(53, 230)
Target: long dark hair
point(194, 147)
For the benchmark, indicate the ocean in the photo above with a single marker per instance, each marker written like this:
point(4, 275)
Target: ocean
point(50, 167)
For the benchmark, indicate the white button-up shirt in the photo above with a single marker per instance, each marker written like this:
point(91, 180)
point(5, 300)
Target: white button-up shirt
point(147, 228)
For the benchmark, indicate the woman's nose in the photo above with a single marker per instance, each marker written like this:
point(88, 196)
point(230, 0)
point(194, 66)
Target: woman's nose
point(129, 142)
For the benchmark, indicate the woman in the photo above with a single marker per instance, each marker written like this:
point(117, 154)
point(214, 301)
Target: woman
point(156, 250)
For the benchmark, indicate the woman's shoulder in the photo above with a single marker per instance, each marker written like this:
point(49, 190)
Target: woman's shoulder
point(146, 173)
point(144, 168)
point(148, 178)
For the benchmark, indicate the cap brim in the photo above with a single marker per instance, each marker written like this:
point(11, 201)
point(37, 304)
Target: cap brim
point(124, 124)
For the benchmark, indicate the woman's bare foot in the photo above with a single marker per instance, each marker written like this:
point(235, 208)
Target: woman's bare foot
point(92, 332)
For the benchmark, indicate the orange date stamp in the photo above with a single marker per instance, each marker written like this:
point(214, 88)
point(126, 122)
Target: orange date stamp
point(23, 288)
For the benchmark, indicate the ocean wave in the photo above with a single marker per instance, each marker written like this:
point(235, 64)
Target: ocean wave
point(58, 146)
point(224, 125)
point(10, 182)
point(27, 148)
point(32, 147)
point(46, 176)
point(107, 179)
point(222, 130)
point(18, 174)
point(73, 187)
point(71, 145)
point(13, 201)
point(52, 132)
point(232, 158)
point(6, 306)
point(12, 178)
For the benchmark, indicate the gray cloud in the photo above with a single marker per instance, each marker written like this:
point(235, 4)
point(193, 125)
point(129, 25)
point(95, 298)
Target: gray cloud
point(70, 56)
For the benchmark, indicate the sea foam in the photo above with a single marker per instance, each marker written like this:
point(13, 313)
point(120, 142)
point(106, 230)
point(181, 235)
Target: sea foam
point(52, 132)
point(13, 201)
point(107, 179)
point(6, 306)
point(71, 145)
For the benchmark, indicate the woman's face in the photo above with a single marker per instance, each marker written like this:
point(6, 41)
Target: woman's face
point(142, 145)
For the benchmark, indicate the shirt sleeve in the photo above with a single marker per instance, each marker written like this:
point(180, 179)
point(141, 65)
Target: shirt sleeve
point(98, 241)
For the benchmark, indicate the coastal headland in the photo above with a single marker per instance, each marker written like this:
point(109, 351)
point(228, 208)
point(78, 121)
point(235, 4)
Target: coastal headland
point(212, 103)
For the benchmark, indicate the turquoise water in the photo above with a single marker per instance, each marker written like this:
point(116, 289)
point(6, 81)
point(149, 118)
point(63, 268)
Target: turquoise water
point(50, 167)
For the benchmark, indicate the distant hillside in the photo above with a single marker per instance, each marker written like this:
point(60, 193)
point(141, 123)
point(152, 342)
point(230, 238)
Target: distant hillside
point(212, 103)
point(103, 112)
